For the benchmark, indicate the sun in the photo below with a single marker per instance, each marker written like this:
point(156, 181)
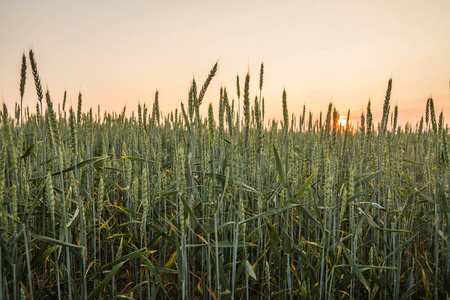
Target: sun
point(342, 121)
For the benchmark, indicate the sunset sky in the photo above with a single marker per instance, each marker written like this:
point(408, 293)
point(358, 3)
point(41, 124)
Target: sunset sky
point(119, 52)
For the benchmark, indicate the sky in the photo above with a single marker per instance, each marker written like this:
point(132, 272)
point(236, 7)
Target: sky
point(119, 53)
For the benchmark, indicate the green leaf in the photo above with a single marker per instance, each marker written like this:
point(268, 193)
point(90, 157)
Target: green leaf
point(412, 162)
point(78, 166)
point(270, 212)
point(96, 292)
point(374, 204)
point(367, 177)
point(274, 238)
point(138, 159)
point(132, 255)
point(117, 264)
point(38, 293)
point(303, 257)
point(279, 167)
point(226, 292)
point(369, 219)
point(395, 230)
point(409, 292)
point(221, 244)
point(52, 241)
point(77, 211)
point(222, 196)
point(192, 214)
point(357, 195)
point(83, 163)
point(222, 275)
point(124, 209)
point(366, 267)
point(356, 268)
point(30, 149)
point(240, 184)
point(42, 256)
point(153, 271)
point(306, 185)
point(249, 269)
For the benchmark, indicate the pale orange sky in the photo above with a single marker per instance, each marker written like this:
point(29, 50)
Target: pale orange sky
point(119, 52)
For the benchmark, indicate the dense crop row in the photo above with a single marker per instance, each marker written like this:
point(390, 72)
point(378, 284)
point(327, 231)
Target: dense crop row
point(186, 206)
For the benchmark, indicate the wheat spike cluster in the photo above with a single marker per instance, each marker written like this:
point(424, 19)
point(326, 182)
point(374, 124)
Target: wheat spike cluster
point(157, 205)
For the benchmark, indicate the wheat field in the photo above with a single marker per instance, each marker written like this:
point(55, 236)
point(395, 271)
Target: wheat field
point(147, 205)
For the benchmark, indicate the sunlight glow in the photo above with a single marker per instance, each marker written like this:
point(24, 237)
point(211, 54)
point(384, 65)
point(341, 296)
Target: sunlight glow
point(342, 121)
